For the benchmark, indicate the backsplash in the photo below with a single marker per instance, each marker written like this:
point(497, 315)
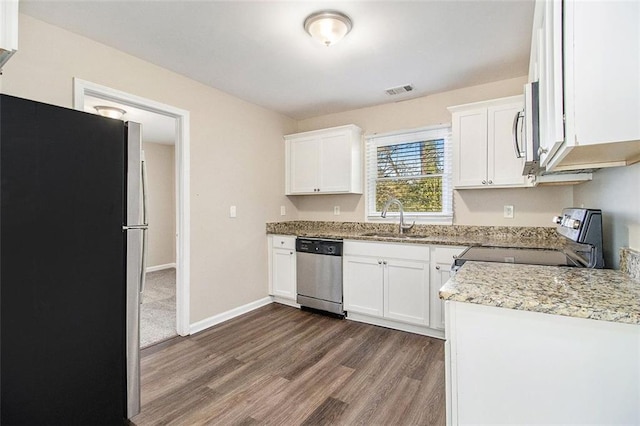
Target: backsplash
point(507, 233)
point(630, 262)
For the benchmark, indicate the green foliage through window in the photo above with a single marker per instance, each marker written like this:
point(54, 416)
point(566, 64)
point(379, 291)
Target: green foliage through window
point(411, 172)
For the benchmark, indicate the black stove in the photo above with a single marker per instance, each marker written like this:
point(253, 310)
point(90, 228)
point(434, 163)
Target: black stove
point(582, 232)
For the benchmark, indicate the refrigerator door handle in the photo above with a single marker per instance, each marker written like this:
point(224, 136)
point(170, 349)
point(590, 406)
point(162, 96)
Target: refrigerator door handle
point(135, 221)
point(134, 227)
point(145, 229)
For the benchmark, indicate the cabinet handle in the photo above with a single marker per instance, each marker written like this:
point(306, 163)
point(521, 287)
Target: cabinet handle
point(281, 242)
point(384, 262)
point(542, 150)
point(437, 268)
point(290, 252)
point(516, 144)
point(379, 262)
point(490, 182)
point(484, 182)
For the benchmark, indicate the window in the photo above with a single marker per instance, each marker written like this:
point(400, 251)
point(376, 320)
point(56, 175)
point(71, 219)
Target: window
point(415, 168)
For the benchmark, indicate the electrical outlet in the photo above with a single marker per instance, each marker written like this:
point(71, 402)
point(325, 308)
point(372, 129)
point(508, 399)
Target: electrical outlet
point(232, 211)
point(283, 211)
point(336, 210)
point(508, 212)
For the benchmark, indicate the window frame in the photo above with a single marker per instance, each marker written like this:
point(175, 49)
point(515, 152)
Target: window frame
point(372, 142)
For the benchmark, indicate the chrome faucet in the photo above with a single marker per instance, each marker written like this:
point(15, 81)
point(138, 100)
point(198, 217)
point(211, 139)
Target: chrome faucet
point(401, 226)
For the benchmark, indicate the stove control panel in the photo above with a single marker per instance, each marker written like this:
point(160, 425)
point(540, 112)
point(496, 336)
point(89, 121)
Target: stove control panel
point(583, 226)
point(567, 222)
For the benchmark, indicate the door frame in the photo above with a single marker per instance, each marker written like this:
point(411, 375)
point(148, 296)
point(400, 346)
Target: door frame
point(82, 88)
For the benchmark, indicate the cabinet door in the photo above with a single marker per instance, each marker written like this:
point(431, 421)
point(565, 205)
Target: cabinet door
point(442, 260)
point(284, 273)
point(602, 74)
point(406, 291)
point(304, 165)
point(335, 163)
point(550, 83)
point(503, 167)
point(442, 273)
point(362, 285)
point(470, 148)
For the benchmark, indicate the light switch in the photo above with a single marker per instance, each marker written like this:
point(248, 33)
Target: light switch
point(232, 211)
point(283, 211)
point(336, 210)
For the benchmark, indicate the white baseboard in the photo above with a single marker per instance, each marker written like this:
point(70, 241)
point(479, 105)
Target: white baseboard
point(225, 316)
point(160, 267)
point(284, 301)
point(396, 325)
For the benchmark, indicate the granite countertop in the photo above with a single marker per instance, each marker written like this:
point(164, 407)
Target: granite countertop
point(455, 235)
point(599, 294)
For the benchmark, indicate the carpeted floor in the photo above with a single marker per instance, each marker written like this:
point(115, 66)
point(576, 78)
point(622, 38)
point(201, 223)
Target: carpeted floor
point(158, 308)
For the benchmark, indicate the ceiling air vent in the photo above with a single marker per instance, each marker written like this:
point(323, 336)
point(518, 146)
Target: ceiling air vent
point(398, 90)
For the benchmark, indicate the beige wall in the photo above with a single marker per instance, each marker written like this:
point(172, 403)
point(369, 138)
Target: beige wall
point(533, 206)
point(160, 166)
point(237, 155)
point(237, 158)
point(617, 192)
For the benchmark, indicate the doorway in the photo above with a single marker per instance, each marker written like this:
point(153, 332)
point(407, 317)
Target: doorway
point(85, 91)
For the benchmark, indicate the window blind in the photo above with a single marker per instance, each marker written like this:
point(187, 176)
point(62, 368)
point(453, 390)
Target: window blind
point(413, 166)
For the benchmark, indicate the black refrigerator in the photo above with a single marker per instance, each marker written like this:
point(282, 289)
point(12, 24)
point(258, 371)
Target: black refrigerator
point(72, 226)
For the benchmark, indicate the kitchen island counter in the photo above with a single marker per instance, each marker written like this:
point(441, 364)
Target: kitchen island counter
point(598, 294)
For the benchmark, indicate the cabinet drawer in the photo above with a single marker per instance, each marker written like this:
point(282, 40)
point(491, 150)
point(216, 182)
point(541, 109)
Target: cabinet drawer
point(284, 242)
point(418, 252)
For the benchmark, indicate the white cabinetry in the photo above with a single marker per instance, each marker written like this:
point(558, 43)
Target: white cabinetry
point(327, 161)
point(505, 366)
point(483, 147)
point(8, 29)
point(282, 267)
point(442, 258)
point(586, 57)
point(546, 68)
point(363, 284)
point(389, 281)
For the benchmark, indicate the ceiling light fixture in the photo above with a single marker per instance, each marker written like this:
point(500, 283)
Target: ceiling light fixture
point(111, 112)
point(328, 26)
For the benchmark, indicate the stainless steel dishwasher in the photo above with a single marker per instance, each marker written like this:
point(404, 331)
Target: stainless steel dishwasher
point(319, 274)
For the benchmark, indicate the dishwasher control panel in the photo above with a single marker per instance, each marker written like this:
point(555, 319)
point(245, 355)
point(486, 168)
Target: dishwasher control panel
point(315, 246)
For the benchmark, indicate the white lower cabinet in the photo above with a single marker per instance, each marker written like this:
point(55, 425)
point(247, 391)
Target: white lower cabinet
point(363, 285)
point(406, 291)
point(388, 281)
point(282, 265)
point(442, 258)
point(505, 366)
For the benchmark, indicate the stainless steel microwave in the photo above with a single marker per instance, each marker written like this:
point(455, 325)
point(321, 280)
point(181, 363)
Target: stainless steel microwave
point(526, 136)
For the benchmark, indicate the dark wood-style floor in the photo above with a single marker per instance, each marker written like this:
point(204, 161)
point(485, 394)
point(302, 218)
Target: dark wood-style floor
point(282, 366)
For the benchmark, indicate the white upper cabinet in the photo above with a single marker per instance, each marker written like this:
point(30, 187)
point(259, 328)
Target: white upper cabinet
point(327, 161)
point(586, 57)
point(484, 155)
point(8, 30)
point(546, 68)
